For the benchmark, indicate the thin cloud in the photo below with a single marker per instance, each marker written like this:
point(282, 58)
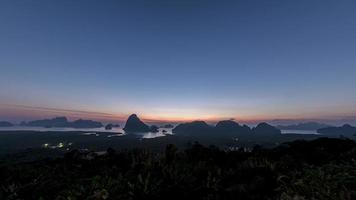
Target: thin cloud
point(59, 110)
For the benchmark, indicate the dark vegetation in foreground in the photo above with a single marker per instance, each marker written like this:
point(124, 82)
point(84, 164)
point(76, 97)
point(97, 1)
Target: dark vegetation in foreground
point(319, 169)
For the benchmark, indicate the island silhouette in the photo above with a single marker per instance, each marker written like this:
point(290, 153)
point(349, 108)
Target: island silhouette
point(135, 125)
point(63, 122)
point(226, 127)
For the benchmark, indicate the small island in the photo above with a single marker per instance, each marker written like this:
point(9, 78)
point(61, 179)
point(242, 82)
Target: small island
point(108, 127)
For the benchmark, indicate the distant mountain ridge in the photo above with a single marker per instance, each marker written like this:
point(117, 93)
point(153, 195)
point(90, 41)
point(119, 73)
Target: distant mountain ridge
point(63, 123)
point(303, 126)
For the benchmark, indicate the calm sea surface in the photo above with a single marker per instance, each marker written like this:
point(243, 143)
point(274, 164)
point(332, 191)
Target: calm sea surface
point(119, 130)
point(89, 130)
point(299, 132)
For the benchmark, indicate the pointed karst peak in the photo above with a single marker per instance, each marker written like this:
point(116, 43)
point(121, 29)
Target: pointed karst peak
point(135, 125)
point(133, 115)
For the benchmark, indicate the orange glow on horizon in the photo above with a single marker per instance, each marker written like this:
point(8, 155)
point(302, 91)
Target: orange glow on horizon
point(31, 113)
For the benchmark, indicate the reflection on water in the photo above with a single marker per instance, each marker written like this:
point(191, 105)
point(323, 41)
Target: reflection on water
point(299, 132)
point(91, 131)
point(116, 135)
point(161, 133)
point(42, 129)
point(91, 134)
point(95, 131)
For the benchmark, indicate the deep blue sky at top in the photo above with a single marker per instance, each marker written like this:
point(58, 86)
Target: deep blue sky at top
point(181, 59)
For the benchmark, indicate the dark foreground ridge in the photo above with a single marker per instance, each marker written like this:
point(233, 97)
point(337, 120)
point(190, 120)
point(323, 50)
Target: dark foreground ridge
point(319, 169)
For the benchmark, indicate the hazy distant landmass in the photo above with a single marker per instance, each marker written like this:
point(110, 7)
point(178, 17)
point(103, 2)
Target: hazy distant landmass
point(303, 126)
point(346, 130)
point(63, 122)
point(5, 124)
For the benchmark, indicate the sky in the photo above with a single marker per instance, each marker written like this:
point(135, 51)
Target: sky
point(178, 60)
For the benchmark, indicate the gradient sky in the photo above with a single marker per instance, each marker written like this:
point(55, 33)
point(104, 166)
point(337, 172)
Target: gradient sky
point(178, 60)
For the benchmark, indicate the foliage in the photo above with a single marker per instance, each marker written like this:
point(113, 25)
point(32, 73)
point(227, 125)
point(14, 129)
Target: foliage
point(319, 169)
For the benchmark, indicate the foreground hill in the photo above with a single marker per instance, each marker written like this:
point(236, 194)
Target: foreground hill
point(318, 169)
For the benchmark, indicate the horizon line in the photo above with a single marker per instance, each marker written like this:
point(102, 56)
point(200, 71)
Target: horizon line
point(105, 116)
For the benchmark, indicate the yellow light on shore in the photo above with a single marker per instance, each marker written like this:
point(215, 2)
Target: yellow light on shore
point(60, 145)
